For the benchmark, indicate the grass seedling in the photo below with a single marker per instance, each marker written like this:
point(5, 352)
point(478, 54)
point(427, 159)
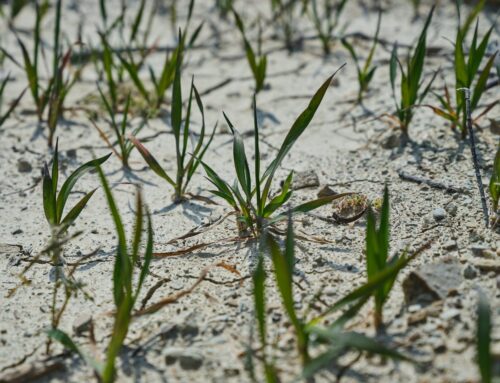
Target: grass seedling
point(124, 293)
point(254, 205)
point(182, 132)
point(123, 141)
point(54, 94)
point(411, 80)
point(377, 256)
point(54, 203)
point(165, 79)
point(224, 7)
point(309, 334)
point(326, 21)
point(257, 63)
point(467, 70)
point(365, 72)
point(284, 16)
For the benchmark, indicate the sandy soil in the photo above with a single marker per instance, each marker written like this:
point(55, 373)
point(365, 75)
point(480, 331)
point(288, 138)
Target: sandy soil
point(203, 336)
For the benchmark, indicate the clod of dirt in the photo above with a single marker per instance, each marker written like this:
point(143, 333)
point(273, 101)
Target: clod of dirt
point(431, 282)
point(24, 166)
point(391, 140)
point(306, 179)
point(470, 272)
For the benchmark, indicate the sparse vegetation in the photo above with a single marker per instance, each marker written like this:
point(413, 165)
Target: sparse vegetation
point(333, 295)
point(254, 205)
point(182, 132)
point(124, 293)
point(367, 71)
point(411, 92)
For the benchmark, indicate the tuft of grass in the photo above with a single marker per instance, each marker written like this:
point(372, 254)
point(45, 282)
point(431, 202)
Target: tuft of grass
point(467, 70)
point(377, 255)
point(411, 92)
point(257, 62)
point(54, 94)
point(310, 335)
point(365, 72)
point(254, 204)
point(123, 142)
point(284, 16)
point(182, 133)
point(326, 20)
point(126, 62)
point(54, 202)
point(124, 292)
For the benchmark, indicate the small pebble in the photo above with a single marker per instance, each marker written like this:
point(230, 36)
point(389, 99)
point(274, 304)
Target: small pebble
point(439, 214)
point(470, 272)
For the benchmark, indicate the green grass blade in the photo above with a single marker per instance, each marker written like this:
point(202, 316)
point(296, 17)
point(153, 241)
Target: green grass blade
point(482, 81)
point(367, 289)
point(122, 269)
point(49, 199)
point(259, 277)
point(148, 255)
point(137, 21)
point(260, 208)
point(11, 108)
point(284, 282)
point(76, 210)
point(71, 181)
point(136, 241)
point(151, 161)
point(240, 161)
point(134, 75)
point(483, 336)
point(299, 126)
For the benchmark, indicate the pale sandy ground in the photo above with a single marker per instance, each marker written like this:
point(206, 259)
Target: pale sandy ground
point(341, 145)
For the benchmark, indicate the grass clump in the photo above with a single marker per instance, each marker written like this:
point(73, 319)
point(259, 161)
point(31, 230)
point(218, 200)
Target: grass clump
point(54, 203)
point(310, 334)
point(284, 16)
point(181, 130)
point(123, 141)
point(366, 71)
point(326, 20)
point(411, 92)
point(54, 94)
point(467, 70)
point(377, 256)
point(254, 204)
point(257, 62)
point(124, 292)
